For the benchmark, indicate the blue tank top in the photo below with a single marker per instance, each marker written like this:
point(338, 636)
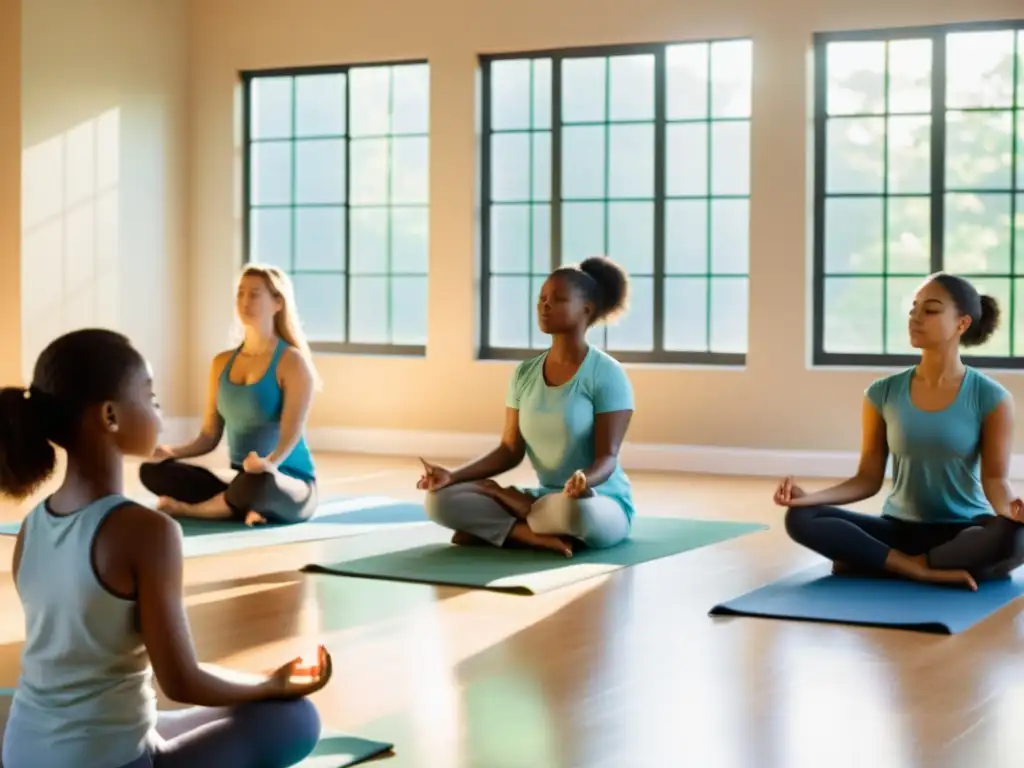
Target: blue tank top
point(252, 418)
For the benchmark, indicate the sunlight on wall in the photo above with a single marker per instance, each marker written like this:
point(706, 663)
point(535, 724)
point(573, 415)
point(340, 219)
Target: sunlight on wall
point(70, 233)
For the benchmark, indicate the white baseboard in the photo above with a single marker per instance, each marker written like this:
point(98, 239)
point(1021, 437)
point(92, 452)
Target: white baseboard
point(650, 457)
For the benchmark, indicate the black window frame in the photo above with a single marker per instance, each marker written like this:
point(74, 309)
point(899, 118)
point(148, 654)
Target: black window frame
point(936, 33)
point(485, 351)
point(246, 78)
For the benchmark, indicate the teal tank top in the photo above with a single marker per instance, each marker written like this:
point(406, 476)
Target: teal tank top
point(252, 419)
point(85, 696)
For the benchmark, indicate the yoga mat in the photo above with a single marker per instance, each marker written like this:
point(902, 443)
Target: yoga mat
point(530, 572)
point(334, 750)
point(334, 518)
point(815, 594)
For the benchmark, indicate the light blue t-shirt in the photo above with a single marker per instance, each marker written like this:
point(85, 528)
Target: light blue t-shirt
point(557, 423)
point(936, 454)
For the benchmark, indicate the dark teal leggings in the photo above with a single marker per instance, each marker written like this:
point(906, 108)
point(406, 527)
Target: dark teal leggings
point(267, 734)
point(988, 547)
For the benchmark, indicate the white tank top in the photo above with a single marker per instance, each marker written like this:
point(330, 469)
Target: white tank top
point(85, 696)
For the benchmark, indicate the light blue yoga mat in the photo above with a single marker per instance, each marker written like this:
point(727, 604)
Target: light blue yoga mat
point(815, 594)
point(334, 518)
point(334, 750)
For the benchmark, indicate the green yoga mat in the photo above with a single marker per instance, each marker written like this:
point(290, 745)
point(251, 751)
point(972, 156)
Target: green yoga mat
point(531, 572)
point(335, 518)
point(334, 750)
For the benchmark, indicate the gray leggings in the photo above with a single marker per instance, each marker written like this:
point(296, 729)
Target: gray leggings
point(269, 734)
point(597, 521)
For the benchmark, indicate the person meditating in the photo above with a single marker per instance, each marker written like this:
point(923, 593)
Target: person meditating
point(260, 393)
point(568, 410)
point(944, 520)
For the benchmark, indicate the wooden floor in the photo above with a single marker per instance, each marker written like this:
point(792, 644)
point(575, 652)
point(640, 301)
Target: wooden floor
point(622, 671)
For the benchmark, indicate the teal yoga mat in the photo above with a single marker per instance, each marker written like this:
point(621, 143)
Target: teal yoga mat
point(530, 572)
point(815, 594)
point(335, 518)
point(335, 749)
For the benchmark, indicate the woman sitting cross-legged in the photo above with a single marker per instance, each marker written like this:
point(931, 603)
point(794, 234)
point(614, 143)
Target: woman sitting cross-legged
point(944, 521)
point(568, 410)
point(260, 392)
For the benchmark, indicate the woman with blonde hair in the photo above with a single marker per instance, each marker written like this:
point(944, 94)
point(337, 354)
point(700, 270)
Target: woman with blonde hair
point(259, 393)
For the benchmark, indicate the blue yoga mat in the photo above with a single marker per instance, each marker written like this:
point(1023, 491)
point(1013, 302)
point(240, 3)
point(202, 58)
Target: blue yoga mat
point(816, 595)
point(336, 517)
point(334, 750)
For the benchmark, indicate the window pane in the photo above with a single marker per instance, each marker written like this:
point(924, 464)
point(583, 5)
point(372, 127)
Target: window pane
point(899, 297)
point(541, 166)
point(410, 108)
point(409, 177)
point(542, 93)
point(271, 108)
point(270, 236)
point(409, 240)
point(1017, 312)
point(910, 155)
point(631, 161)
point(634, 330)
point(538, 340)
point(511, 312)
point(910, 72)
point(320, 239)
point(854, 154)
point(979, 148)
point(856, 78)
point(368, 160)
point(510, 239)
point(979, 69)
point(631, 236)
point(686, 314)
point(853, 315)
point(910, 241)
point(999, 289)
point(729, 314)
point(583, 90)
point(730, 236)
point(730, 158)
point(583, 161)
point(510, 167)
point(369, 240)
point(541, 239)
point(369, 95)
point(320, 105)
point(631, 87)
point(731, 71)
point(510, 94)
point(686, 159)
point(320, 171)
point(271, 173)
point(686, 236)
point(1019, 239)
point(409, 310)
point(686, 81)
point(321, 305)
point(369, 316)
point(977, 238)
point(582, 231)
point(853, 235)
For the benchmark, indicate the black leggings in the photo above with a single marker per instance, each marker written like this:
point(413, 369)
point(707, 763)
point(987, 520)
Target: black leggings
point(988, 547)
point(255, 492)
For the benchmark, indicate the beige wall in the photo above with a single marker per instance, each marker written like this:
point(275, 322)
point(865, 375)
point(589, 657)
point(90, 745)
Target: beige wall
point(10, 192)
point(776, 402)
point(103, 118)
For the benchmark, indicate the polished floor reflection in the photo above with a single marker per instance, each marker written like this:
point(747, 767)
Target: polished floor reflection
point(621, 671)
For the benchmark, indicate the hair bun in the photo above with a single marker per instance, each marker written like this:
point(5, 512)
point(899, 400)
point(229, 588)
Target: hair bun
point(613, 283)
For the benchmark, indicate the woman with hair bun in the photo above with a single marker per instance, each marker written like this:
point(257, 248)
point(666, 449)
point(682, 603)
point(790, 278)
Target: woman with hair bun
point(567, 409)
point(952, 516)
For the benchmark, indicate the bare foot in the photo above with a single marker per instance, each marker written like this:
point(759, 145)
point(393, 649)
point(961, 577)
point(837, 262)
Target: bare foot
point(254, 518)
point(172, 507)
point(463, 539)
point(952, 578)
point(523, 535)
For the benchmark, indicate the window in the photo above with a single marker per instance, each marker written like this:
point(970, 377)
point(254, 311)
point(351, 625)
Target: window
point(336, 185)
point(919, 168)
point(639, 153)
